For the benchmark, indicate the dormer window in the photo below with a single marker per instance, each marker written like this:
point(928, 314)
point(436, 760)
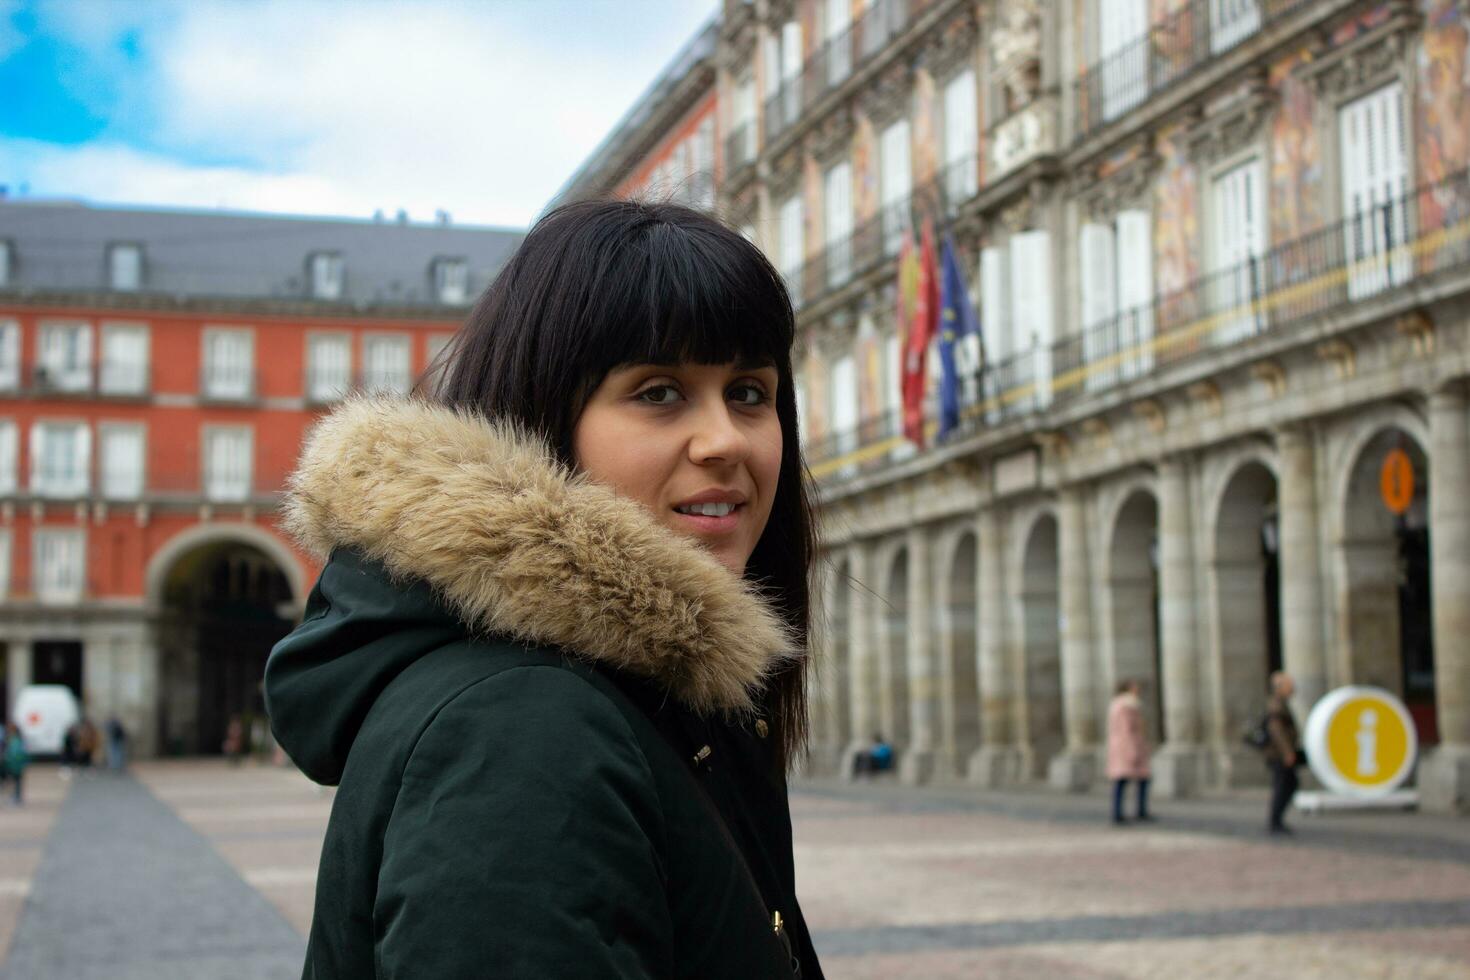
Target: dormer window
point(125, 266)
point(325, 269)
point(5, 262)
point(451, 280)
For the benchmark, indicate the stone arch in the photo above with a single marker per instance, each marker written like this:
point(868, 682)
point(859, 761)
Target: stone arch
point(959, 638)
point(1132, 607)
point(893, 714)
point(200, 535)
point(1039, 636)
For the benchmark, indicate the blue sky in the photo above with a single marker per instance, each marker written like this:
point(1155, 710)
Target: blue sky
point(481, 108)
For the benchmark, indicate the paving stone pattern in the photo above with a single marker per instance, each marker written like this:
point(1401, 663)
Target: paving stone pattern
point(127, 891)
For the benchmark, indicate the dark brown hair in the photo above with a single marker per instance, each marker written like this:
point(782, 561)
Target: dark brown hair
point(601, 284)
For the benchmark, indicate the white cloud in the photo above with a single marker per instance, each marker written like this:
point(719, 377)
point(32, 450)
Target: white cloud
point(483, 110)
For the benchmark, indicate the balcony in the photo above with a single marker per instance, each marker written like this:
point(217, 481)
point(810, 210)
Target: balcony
point(1370, 255)
point(835, 61)
point(740, 149)
point(1173, 49)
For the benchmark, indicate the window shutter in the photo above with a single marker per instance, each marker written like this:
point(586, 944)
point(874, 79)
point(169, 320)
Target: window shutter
point(81, 461)
point(9, 354)
point(771, 64)
point(994, 306)
point(1032, 297)
point(838, 223)
point(961, 139)
point(895, 180)
point(1136, 290)
point(1240, 240)
point(9, 458)
point(1099, 279)
point(5, 546)
point(38, 458)
point(792, 247)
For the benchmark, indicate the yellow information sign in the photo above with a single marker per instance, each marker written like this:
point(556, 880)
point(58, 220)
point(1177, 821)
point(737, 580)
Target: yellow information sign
point(1360, 741)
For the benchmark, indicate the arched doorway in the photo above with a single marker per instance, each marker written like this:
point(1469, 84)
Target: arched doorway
point(894, 714)
point(958, 638)
point(1041, 647)
point(1133, 603)
point(221, 606)
point(1385, 624)
point(1247, 594)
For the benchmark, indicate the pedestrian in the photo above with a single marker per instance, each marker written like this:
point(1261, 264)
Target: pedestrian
point(69, 748)
point(87, 740)
point(16, 760)
point(555, 655)
point(1128, 749)
point(1283, 750)
point(876, 758)
point(117, 744)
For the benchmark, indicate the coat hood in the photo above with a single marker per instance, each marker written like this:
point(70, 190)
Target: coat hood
point(511, 543)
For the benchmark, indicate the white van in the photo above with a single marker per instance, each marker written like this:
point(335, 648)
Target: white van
point(44, 712)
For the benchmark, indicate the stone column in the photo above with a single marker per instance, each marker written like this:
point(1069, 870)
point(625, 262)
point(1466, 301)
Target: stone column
point(997, 761)
point(1444, 773)
point(1178, 766)
point(918, 762)
point(862, 649)
point(1076, 766)
point(1303, 650)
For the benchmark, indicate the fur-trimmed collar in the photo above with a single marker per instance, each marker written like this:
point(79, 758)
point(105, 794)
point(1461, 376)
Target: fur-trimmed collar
point(517, 545)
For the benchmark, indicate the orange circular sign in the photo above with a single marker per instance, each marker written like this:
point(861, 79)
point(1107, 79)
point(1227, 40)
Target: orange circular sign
point(1396, 481)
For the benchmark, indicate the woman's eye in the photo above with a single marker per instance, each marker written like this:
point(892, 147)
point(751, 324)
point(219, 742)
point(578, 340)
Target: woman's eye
point(749, 394)
point(659, 395)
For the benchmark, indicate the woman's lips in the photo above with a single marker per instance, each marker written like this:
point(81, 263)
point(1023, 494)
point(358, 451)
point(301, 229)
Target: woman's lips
point(705, 524)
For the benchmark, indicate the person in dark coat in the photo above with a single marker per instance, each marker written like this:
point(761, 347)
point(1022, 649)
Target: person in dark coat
point(555, 658)
point(1283, 750)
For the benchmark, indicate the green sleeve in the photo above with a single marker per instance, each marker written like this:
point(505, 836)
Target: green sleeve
point(524, 841)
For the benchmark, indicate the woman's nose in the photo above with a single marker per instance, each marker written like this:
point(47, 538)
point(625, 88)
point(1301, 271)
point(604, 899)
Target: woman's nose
point(718, 436)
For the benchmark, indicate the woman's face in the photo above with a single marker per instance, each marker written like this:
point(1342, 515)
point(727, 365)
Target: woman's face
point(698, 445)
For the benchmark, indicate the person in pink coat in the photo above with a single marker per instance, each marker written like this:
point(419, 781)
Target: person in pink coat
point(1128, 749)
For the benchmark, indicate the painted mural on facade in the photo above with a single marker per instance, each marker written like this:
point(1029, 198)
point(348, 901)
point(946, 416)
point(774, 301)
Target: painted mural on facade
point(924, 134)
point(1176, 228)
point(864, 171)
point(870, 371)
point(1443, 118)
point(1296, 166)
point(816, 397)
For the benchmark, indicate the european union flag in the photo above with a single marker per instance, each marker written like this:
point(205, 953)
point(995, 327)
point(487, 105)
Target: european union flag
point(956, 319)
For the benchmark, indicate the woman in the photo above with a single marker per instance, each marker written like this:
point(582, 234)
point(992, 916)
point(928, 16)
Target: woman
point(1128, 749)
point(554, 659)
point(16, 759)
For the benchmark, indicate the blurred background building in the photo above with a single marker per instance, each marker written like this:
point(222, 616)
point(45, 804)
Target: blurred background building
point(1214, 422)
point(158, 370)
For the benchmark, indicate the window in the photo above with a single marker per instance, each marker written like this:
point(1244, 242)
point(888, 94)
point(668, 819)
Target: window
point(435, 344)
point(702, 180)
point(793, 250)
point(1232, 21)
point(9, 355)
point(1017, 311)
point(838, 224)
point(839, 48)
point(744, 123)
point(121, 460)
point(328, 367)
point(124, 368)
point(1117, 297)
point(791, 58)
point(65, 357)
point(229, 363)
point(7, 260)
point(452, 281)
point(326, 275)
point(1375, 182)
point(1239, 242)
point(60, 456)
point(5, 547)
point(385, 364)
point(125, 266)
point(59, 557)
point(228, 458)
point(9, 458)
point(1123, 54)
point(961, 139)
point(895, 179)
point(844, 409)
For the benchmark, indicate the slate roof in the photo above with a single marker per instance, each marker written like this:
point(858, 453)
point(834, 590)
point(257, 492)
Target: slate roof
point(61, 246)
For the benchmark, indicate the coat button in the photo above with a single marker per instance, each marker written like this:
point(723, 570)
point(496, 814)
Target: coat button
point(761, 728)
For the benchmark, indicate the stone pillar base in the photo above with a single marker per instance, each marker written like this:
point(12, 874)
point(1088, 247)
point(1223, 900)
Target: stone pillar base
point(1243, 766)
point(1179, 771)
point(849, 754)
point(917, 766)
point(993, 766)
point(1444, 779)
point(1072, 770)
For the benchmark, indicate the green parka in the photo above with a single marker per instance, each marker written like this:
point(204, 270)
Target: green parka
point(541, 711)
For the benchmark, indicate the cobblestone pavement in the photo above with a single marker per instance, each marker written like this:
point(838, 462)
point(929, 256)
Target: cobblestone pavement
point(897, 883)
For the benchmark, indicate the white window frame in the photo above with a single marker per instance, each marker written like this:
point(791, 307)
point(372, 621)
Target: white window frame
point(9, 354)
point(895, 180)
point(452, 280)
point(744, 125)
point(229, 481)
point(1231, 22)
point(792, 58)
point(380, 376)
point(1123, 57)
point(1033, 311)
point(961, 137)
point(328, 274)
point(838, 24)
point(125, 267)
point(59, 564)
point(9, 457)
point(792, 245)
point(64, 479)
point(7, 546)
point(219, 378)
point(323, 384)
point(128, 481)
point(837, 222)
point(1374, 166)
point(67, 365)
point(844, 410)
point(114, 375)
point(1238, 220)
